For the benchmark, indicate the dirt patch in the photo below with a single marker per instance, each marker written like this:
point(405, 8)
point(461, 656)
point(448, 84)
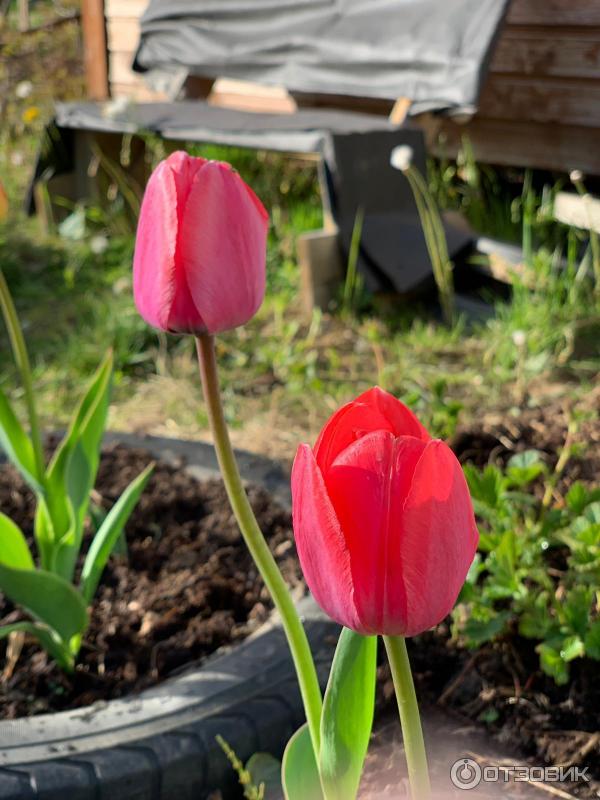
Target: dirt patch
point(190, 588)
point(547, 429)
point(187, 588)
point(501, 687)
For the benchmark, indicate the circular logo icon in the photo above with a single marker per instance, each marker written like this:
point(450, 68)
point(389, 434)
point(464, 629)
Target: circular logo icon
point(465, 773)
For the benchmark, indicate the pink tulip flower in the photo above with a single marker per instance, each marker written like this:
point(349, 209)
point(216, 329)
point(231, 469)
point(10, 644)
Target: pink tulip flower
point(199, 264)
point(383, 519)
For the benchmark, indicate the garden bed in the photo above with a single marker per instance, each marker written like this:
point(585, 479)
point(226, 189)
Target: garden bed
point(497, 437)
point(190, 588)
point(187, 587)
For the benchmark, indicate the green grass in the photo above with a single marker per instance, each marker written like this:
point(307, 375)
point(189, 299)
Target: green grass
point(283, 374)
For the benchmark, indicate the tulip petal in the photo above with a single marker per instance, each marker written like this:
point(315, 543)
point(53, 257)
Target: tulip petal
point(184, 168)
point(371, 411)
point(156, 240)
point(439, 538)
point(346, 426)
point(321, 547)
point(402, 420)
point(368, 484)
point(222, 247)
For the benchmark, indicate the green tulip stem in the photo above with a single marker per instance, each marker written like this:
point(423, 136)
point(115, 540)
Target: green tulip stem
point(255, 541)
point(412, 733)
point(15, 334)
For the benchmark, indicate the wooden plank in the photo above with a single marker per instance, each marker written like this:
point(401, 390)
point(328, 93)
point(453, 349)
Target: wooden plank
point(548, 52)
point(554, 12)
point(321, 268)
point(521, 12)
point(248, 96)
point(400, 110)
point(558, 100)
point(125, 8)
point(94, 39)
point(119, 67)
point(580, 212)
point(524, 144)
point(136, 90)
point(123, 33)
point(24, 22)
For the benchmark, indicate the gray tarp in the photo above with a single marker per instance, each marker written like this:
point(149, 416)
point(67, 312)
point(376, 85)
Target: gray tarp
point(355, 169)
point(431, 51)
point(306, 131)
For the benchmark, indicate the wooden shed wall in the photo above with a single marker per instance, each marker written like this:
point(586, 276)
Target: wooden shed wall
point(122, 34)
point(540, 105)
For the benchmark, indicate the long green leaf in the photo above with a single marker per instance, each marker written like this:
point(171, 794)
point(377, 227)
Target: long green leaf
point(44, 534)
point(347, 717)
point(299, 772)
point(72, 471)
point(108, 534)
point(14, 551)
point(48, 640)
point(48, 598)
point(17, 445)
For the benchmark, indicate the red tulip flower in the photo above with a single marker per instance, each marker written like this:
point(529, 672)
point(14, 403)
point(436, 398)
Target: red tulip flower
point(199, 264)
point(383, 519)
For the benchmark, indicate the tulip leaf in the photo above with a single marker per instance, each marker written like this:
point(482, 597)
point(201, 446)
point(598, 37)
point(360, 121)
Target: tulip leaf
point(72, 471)
point(48, 640)
point(14, 551)
point(17, 445)
point(109, 532)
point(44, 533)
point(348, 714)
point(299, 772)
point(47, 597)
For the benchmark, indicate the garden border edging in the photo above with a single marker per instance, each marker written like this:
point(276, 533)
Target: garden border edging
point(160, 745)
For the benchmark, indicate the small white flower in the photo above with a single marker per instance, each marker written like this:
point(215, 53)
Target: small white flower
point(23, 89)
point(98, 244)
point(519, 338)
point(576, 175)
point(402, 157)
point(17, 159)
point(116, 108)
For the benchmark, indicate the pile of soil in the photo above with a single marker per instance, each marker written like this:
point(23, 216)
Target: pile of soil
point(187, 587)
point(546, 429)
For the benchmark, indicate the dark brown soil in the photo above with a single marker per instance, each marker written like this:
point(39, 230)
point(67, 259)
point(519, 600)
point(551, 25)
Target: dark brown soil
point(502, 687)
point(187, 588)
point(190, 587)
point(495, 439)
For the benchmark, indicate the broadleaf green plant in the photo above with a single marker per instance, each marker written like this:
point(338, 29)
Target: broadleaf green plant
point(49, 593)
point(538, 567)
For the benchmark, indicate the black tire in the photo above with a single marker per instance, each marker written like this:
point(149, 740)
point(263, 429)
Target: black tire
point(161, 745)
